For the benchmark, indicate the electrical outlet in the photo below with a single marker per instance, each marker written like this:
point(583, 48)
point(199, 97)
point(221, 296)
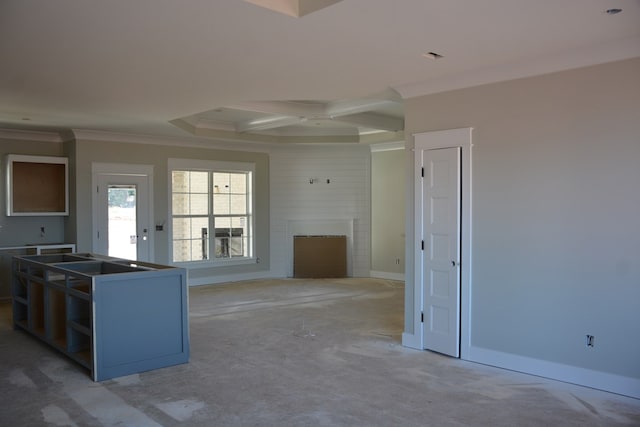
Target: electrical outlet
point(590, 341)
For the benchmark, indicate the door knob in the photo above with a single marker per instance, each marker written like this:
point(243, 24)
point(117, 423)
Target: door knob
point(453, 263)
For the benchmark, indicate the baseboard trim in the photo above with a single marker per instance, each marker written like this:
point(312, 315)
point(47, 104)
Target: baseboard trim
point(386, 275)
point(411, 341)
point(214, 280)
point(571, 374)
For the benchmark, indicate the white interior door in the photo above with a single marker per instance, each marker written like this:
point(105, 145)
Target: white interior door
point(123, 216)
point(441, 250)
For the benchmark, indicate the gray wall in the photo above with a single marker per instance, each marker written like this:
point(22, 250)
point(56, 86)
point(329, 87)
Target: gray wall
point(556, 205)
point(21, 230)
point(86, 152)
point(387, 211)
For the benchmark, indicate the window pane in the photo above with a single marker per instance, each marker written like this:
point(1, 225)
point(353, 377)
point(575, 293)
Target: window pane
point(222, 247)
point(220, 183)
point(190, 228)
point(181, 228)
point(241, 224)
point(180, 181)
point(181, 250)
point(199, 228)
point(238, 182)
point(220, 204)
point(236, 246)
point(222, 222)
point(198, 250)
point(199, 182)
point(199, 204)
point(191, 240)
point(180, 204)
point(238, 204)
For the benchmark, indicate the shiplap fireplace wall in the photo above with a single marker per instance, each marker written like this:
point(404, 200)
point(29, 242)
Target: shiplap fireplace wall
point(339, 207)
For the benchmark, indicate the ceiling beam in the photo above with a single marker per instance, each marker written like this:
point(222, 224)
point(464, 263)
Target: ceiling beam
point(269, 123)
point(374, 121)
point(343, 108)
point(285, 108)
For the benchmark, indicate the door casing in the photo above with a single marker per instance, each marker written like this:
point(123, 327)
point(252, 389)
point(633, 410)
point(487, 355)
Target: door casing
point(139, 173)
point(462, 138)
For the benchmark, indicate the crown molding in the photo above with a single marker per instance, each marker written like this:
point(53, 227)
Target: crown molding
point(30, 135)
point(586, 56)
point(187, 141)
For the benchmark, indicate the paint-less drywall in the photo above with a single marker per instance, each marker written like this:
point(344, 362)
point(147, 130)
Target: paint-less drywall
point(16, 230)
point(556, 205)
point(387, 212)
point(88, 151)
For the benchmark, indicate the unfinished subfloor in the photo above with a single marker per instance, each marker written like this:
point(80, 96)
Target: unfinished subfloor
point(293, 353)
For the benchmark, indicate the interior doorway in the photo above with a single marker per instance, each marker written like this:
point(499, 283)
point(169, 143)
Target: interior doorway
point(122, 211)
point(442, 256)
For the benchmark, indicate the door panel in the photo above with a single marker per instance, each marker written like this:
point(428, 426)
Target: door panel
point(123, 225)
point(441, 254)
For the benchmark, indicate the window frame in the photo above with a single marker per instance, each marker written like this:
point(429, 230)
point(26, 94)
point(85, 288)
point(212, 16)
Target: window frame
point(212, 166)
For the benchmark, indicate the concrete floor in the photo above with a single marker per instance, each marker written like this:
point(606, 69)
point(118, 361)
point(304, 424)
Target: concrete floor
point(293, 353)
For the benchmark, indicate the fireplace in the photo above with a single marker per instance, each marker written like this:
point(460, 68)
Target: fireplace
point(319, 256)
point(331, 231)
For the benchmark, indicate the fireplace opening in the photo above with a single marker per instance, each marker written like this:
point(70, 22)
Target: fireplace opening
point(319, 256)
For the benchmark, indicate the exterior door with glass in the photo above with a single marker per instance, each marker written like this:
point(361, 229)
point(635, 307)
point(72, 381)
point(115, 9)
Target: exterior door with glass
point(123, 216)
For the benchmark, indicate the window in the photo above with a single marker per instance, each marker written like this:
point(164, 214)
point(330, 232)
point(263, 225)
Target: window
point(211, 212)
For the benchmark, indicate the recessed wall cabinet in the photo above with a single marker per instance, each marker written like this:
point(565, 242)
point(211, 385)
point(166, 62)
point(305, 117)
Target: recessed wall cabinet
point(114, 317)
point(37, 185)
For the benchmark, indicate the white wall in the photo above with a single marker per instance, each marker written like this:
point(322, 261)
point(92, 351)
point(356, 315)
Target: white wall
point(345, 198)
point(556, 205)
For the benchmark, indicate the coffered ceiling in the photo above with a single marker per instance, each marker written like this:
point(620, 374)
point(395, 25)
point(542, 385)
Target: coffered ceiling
point(281, 70)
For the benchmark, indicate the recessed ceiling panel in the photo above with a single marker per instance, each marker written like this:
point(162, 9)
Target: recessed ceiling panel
point(328, 119)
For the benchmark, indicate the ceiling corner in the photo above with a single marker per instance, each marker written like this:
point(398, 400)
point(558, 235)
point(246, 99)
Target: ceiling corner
point(295, 8)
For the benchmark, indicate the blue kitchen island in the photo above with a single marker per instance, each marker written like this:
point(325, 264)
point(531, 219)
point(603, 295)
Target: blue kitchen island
point(113, 316)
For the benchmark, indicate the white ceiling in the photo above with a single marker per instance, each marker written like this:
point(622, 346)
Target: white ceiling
point(234, 70)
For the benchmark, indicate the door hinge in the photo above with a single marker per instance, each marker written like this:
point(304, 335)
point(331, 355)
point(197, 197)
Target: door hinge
point(421, 317)
point(422, 245)
point(422, 173)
